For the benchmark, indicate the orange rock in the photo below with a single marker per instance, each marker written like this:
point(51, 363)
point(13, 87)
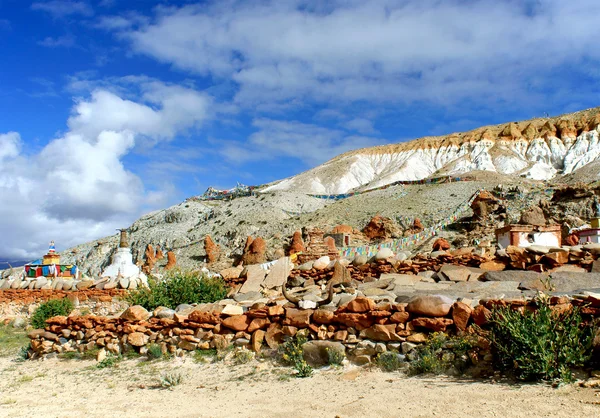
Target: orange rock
point(493, 265)
point(213, 251)
point(204, 317)
point(380, 227)
point(297, 317)
point(159, 254)
point(381, 333)
point(322, 316)
point(237, 322)
point(435, 324)
point(360, 304)
point(171, 260)
point(255, 250)
point(342, 229)
point(256, 341)
point(441, 244)
point(274, 335)
point(135, 313)
point(461, 313)
point(399, 317)
point(358, 321)
point(572, 240)
point(481, 315)
point(297, 245)
point(330, 243)
point(417, 225)
point(258, 323)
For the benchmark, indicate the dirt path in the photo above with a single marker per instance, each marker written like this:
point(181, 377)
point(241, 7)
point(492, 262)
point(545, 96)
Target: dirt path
point(67, 388)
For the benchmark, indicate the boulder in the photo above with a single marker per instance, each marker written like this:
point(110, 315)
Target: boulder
point(430, 305)
point(533, 216)
point(441, 244)
point(254, 251)
point(231, 273)
point(278, 274)
point(135, 313)
point(137, 339)
point(232, 310)
point(434, 324)
point(213, 251)
point(384, 254)
point(380, 227)
point(237, 322)
point(360, 305)
point(461, 313)
point(340, 274)
point(360, 260)
point(171, 260)
point(255, 277)
point(322, 263)
point(297, 245)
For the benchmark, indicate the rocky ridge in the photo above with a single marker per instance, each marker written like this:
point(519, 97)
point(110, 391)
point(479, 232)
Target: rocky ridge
point(539, 149)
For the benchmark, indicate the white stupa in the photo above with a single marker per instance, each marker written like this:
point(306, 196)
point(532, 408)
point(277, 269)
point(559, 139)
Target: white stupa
point(122, 265)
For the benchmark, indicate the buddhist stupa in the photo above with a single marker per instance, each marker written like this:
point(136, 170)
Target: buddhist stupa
point(122, 262)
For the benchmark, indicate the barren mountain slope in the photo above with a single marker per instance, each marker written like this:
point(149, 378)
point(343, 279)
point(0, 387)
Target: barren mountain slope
point(538, 149)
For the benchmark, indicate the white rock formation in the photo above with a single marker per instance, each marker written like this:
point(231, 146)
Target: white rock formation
point(538, 149)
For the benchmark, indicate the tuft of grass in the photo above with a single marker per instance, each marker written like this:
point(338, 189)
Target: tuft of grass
point(205, 356)
point(155, 352)
point(242, 356)
point(541, 344)
point(442, 353)
point(12, 341)
point(111, 360)
point(177, 288)
point(334, 357)
point(46, 310)
point(293, 354)
point(170, 380)
point(389, 361)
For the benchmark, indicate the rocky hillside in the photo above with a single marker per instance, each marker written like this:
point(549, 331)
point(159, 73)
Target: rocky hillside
point(565, 148)
point(539, 149)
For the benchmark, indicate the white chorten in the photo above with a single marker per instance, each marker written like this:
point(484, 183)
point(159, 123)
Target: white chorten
point(122, 263)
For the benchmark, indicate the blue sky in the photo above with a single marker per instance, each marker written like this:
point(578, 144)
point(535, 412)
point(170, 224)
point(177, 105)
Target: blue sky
point(112, 108)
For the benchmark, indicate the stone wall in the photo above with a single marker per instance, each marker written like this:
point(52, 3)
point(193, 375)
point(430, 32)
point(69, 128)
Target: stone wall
point(363, 327)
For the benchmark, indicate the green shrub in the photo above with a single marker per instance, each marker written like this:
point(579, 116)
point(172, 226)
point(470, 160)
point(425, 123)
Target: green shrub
point(334, 357)
point(170, 380)
point(242, 356)
point(442, 353)
point(540, 345)
point(111, 360)
point(154, 352)
point(46, 310)
point(179, 288)
point(389, 361)
point(292, 353)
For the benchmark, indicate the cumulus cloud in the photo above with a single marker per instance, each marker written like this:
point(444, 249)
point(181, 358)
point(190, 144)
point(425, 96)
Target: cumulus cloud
point(309, 143)
point(484, 51)
point(77, 187)
point(63, 8)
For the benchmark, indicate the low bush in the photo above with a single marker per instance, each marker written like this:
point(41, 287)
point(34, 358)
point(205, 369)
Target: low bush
point(389, 361)
point(292, 353)
point(541, 344)
point(442, 354)
point(334, 357)
point(170, 380)
point(111, 360)
point(179, 288)
point(154, 352)
point(46, 310)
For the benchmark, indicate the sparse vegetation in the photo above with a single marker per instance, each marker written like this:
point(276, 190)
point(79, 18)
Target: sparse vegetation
point(12, 341)
point(170, 380)
point(242, 356)
point(49, 309)
point(155, 352)
point(293, 355)
point(390, 361)
point(540, 345)
point(442, 354)
point(111, 360)
point(178, 288)
point(334, 357)
point(205, 356)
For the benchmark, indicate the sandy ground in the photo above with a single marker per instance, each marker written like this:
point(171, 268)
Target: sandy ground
point(67, 388)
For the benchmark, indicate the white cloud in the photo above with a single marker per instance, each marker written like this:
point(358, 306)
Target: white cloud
point(392, 51)
point(63, 8)
point(310, 143)
point(77, 187)
point(66, 41)
point(361, 125)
